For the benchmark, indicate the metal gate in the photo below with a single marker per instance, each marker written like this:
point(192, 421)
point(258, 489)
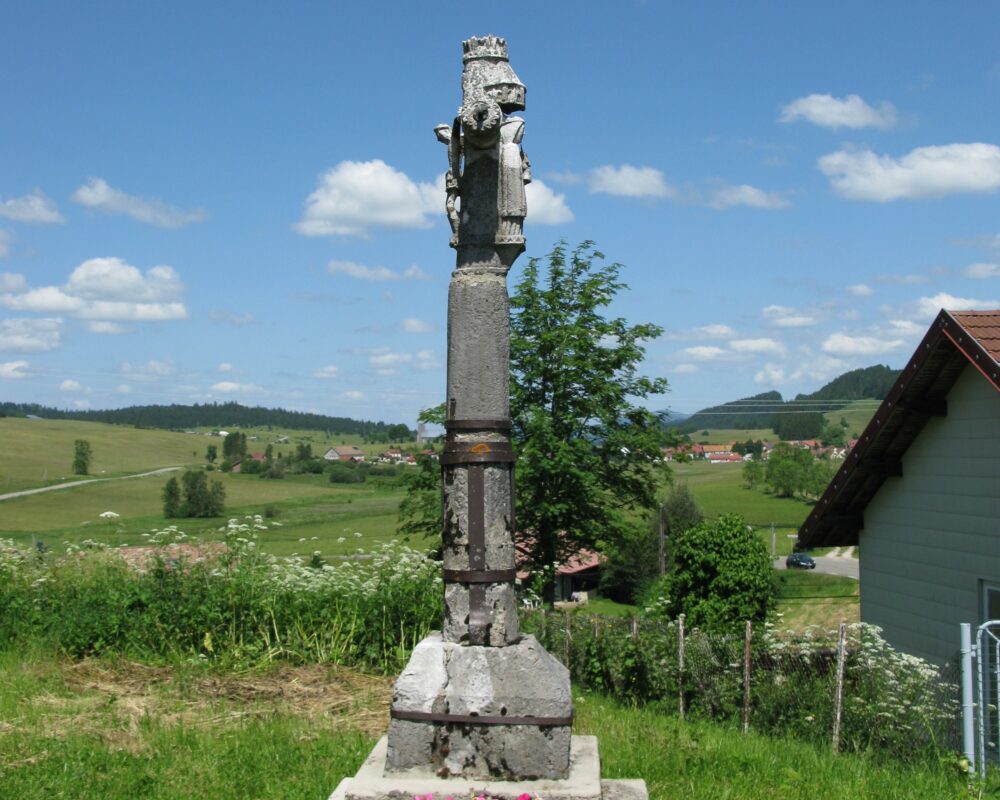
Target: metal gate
point(980, 693)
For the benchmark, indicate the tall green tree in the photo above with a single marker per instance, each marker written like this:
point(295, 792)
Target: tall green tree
point(588, 453)
point(172, 504)
point(420, 511)
point(81, 457)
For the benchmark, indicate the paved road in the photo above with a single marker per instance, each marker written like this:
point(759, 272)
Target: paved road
point(70, 484)
point(831, 565)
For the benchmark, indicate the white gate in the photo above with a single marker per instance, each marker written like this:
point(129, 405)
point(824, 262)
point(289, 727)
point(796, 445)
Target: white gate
point(980, 693)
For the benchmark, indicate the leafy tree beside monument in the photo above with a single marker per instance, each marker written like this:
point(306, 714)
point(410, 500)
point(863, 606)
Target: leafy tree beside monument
point(587, 452)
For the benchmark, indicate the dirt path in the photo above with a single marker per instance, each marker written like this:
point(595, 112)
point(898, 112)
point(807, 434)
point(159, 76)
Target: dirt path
point(69, 484)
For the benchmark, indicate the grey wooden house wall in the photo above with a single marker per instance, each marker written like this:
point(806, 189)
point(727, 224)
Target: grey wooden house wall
point(931, 538)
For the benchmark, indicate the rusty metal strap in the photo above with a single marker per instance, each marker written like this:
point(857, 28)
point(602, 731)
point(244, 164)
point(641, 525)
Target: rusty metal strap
point(477, 719)
point(494, 424)
point(478, 453)
point(479, 575)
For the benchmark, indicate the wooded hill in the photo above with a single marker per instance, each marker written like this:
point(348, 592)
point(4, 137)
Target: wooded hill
point(768, 409)
point(216, 415)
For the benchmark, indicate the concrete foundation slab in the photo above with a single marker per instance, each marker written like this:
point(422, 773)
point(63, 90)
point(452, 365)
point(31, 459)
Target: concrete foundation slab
point(583, 782)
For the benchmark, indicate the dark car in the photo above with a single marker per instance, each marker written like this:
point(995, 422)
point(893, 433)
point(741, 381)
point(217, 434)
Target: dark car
point(800, 561)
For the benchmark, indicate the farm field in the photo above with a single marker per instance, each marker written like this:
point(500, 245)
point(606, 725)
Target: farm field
point(167, 732)
point(719, 489)
point(39, 452)
point(311, 513)
point(808, 598)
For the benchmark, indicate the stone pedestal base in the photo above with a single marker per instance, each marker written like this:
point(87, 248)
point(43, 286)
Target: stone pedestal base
point(582, 782)
point(450, 703)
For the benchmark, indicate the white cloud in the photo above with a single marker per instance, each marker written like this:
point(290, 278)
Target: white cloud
point(787, 317)
point(378, 274)
point(832, 112)
point(903, 280)
point(763, 345)
point(151, 370)
point(771, 375)
point(13, 369)
point(34, 207)
point(231, 387)
point(928, 307)
point(426, 360)
point(703, 352)
point(355, 196)
point(715, 331)
point(413, 325)
point(841, 344)
point(329, 371)
point(114, 279)
point(629, 181)
point(982, 270)
point(905, 327)
point(107, 289)
point(70, 385)
point(4, 244)
point(225, 366)
point(924, 172)
point(545, 207)
point(81, 404)
point(389, 360)
point(685, 369)
point(12, 282)
point(354, 395)
point(107, 328)
point(123, 388)
point(567, 177)
point(228, 318)
point(29, 335)
point(99, 195)
point(745, 195)
point(818, 367)
point(861, 290)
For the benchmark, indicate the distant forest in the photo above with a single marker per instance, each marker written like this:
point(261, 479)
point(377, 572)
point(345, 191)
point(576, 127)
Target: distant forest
point(769, 410)
point(218, 415)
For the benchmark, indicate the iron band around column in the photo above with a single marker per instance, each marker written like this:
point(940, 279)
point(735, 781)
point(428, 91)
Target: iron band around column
point(479, 575)
point(478, 453)
point(501, 424)
point(476, 719)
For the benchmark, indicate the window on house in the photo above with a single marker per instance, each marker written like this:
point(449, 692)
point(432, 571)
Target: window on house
point(991, 601)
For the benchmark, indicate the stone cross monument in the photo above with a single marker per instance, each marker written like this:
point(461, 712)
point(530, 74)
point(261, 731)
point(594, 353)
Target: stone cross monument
point(482, 708)
point(480, 699)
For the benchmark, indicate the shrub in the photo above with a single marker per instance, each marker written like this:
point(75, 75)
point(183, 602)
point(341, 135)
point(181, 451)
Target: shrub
point(342, 473)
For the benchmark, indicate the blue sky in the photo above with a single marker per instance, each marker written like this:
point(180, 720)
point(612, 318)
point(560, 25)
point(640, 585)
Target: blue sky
point(242, 201)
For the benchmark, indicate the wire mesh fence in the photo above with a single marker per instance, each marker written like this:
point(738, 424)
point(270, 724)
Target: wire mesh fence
point(851, 691)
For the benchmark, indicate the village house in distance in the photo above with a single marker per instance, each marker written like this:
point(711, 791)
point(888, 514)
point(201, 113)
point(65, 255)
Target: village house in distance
point(920, 493)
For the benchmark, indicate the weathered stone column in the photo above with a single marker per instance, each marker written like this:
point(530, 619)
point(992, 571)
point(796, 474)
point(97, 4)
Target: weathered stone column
point(480, 700)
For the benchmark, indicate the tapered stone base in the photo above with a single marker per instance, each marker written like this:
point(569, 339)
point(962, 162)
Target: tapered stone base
point(582, 782)
point(451, 681)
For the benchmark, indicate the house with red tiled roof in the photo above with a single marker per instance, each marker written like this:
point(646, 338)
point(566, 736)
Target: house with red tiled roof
point(920, 492)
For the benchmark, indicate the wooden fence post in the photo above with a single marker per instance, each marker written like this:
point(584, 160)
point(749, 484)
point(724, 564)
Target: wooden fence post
point(567, 626)
point(635, 628)
point(838, 700)
point(680, 664)
point(746, 679)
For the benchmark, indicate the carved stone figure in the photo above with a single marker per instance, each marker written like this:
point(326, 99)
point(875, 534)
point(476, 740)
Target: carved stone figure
point(487, 168)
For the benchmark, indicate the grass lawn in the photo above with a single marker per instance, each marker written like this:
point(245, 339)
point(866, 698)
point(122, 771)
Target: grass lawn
point(117, 730)
point(806, 598)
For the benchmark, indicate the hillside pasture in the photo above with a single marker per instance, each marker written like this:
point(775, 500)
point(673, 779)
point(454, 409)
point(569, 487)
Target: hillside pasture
point(719, 489)
point(307, 508)
point(39, 452)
